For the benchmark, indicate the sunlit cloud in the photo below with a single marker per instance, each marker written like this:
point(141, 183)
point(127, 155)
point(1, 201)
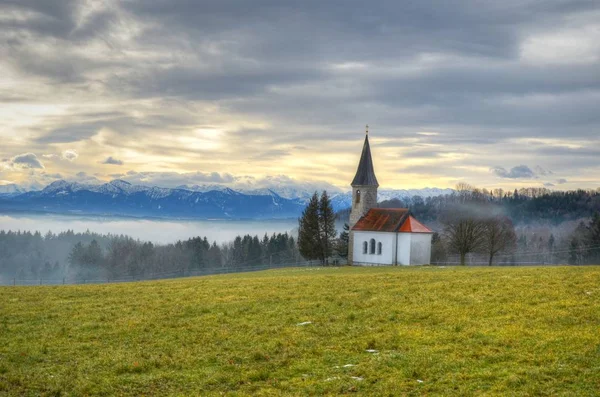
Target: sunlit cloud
point(222, 91)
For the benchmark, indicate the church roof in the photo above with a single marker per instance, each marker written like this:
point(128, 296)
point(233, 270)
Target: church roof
point(382, 220)
point(411, 225)
point(389, 220)
point(365, 174)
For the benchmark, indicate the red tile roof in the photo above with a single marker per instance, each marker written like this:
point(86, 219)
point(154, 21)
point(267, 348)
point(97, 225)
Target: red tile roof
point(411, 225)
point(389, 220)
point(381, 220)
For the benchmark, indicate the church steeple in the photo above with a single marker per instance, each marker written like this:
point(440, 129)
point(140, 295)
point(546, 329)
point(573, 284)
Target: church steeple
point(364, 191)
point(365, 174)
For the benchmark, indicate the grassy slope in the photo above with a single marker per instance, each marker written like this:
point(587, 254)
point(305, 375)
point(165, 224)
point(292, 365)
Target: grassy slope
point(460, 331)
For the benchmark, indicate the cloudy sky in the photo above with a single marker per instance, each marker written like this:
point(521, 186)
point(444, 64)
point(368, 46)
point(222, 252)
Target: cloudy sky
point(493, 93)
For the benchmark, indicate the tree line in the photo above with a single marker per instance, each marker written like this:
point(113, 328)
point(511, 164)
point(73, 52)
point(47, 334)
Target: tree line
point(523, 205)
point(26, 255)
point(525, 226)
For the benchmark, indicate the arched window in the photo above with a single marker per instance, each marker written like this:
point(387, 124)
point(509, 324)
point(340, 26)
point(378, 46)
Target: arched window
point(372, 246)
point(365, 247)
point(357, 196)
point(378, 248)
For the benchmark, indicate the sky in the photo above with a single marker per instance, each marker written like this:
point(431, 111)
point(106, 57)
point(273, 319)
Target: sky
point(170, 92)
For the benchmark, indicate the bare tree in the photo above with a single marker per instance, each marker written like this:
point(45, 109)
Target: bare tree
point(464, 191)
point(464, 234)
point(498, 235)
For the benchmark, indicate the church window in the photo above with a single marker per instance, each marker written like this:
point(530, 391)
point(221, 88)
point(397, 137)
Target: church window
point(365, 247)
point(357, 196)
point(378, 248)
point(372, 246)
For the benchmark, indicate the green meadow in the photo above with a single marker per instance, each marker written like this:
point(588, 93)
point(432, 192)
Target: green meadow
point(310, 331)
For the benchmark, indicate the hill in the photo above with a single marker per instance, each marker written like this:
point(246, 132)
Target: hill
point(310, 331)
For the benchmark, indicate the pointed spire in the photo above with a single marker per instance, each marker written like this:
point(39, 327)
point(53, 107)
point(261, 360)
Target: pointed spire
point(365, 174)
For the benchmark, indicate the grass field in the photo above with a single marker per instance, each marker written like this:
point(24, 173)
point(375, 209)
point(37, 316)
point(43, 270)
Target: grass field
point(376, 331)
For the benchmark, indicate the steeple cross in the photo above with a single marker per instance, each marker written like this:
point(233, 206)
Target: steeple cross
point(367, 129)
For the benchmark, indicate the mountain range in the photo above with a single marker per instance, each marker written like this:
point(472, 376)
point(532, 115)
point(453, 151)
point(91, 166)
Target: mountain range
point(121, 198)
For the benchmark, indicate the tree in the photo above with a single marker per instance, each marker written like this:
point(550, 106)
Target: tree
point(343, 241)
point(593, 239)
point(464, 234)
point(438, 251)
point(551, 242)
point(93, 256)
point(574, 257)
point(76, 255)
point(309, 235)
point(326, 227)
point(498, 235)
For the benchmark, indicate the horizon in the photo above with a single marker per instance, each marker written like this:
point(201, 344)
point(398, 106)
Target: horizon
point(174, 93)
point(336, 189)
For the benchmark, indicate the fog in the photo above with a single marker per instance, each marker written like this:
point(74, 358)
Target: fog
point(156, 231)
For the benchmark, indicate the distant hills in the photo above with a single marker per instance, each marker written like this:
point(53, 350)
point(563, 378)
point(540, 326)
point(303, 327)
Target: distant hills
point(121, 198)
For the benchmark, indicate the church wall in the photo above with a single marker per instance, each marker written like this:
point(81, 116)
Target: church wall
point(403, 254)
point(388, 248)
point(420, 249)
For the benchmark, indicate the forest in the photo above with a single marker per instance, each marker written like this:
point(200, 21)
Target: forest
point(75, 257)
point(473, 226)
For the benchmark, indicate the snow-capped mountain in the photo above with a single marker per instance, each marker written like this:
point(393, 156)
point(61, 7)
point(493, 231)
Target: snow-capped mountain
point(11, 189)
point(120, 197)
point(344, 200)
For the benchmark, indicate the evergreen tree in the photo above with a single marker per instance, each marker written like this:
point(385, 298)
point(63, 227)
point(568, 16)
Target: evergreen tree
point(309, 237)
point(326, 227)
point(573, 252)
point(593, 237)
point(551, 243)
point(343, 241)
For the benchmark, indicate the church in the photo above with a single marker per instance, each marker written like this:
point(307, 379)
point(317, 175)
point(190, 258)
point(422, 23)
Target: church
point(382, 236)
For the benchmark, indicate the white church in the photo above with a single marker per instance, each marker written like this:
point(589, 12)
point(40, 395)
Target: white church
point(382, 236)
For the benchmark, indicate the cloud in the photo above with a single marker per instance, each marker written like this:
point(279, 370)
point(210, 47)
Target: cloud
point(84, 177)
point(541, 171)
point(26, 160)
point(520, 171)
point(548, 184)
point(70, 155)
point(561, 181)
point(174, 179)
point(113, 161)
point(289, 86)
